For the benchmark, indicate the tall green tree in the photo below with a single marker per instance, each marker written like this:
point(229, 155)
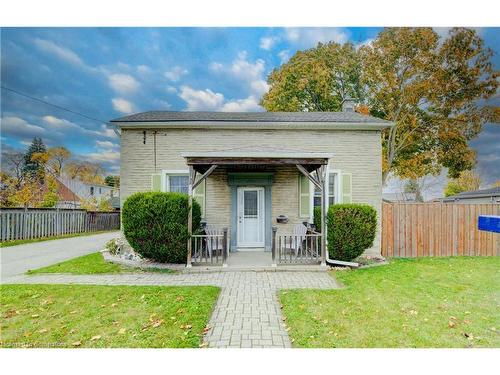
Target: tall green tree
point(318, 79)
point(432, 90)
point(34, 160)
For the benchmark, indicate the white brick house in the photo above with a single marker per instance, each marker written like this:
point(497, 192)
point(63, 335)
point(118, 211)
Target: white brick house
point(258, 170)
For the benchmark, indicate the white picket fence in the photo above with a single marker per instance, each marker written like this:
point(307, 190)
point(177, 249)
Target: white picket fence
point(21, 223)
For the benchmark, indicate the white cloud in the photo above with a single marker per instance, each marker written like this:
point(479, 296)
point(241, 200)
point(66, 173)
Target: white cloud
point(123, 83)
point(107, 132)
point(144, 69)
point(17, 127)
point(61, 52)
point(122, 105)
point(267, 43)
point(106, 145)
point(284, 56)
point(250, 104)
point(249, 74)
point(199, 100)
point(216, 67)
point(175, 73)
point(306, 37)
point(103, 156)
point(171, 89)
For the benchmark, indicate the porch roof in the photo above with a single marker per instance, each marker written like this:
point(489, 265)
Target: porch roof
point(202, 160)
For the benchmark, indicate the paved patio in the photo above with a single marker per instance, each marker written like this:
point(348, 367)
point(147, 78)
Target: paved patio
point(247, 313)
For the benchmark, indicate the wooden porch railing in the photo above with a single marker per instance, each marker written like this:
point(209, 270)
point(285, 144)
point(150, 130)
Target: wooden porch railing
point(296, 249)
point(209, 249)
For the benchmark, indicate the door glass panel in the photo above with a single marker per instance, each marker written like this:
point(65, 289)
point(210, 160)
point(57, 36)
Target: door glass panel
point(250, 198)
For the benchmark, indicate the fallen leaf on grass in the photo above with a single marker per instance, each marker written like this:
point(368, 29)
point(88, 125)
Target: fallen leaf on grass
point(122, 331)
point(203, 344)
point(35, 316)
point(73, 312)
point(114, 304)
point(186, 326)
point(180, 298)
point(43, 330)
point(96, 337)
point(451, 324)
point(157, 323)
point(206, 329)
point(10, 314)
point(77, 343)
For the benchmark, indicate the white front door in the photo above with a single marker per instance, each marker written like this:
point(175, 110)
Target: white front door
point(250, 213)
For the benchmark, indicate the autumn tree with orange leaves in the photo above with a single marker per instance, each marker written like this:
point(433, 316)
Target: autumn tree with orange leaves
point(432, 88)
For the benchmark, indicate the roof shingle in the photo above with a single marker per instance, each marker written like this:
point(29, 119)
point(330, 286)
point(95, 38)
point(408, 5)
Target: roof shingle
point(264, 117)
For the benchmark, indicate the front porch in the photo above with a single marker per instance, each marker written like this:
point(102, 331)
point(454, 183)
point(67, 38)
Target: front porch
point(254, 208)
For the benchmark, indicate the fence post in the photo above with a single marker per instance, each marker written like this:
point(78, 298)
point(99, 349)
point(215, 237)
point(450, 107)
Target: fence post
point(273, 246)
point(224, 247)
point(25, 223)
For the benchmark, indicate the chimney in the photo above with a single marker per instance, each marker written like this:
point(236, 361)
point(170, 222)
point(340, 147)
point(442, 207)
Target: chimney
point(348, 104)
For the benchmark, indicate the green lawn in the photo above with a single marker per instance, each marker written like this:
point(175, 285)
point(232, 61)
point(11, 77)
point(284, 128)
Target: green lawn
point(21, 242)
point(423, 303)
point(91, 264)
point(104, 316)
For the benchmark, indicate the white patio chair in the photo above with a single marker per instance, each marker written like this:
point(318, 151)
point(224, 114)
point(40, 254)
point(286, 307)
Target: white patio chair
point(213, 244)
point(298, 238)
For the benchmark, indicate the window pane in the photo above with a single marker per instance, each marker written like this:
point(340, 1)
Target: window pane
point(179, 184)
point(331, 184)
point(317, 201)
point(250, 203)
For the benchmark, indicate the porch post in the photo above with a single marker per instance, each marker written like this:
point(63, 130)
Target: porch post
point(192, 176)
point(324, 189)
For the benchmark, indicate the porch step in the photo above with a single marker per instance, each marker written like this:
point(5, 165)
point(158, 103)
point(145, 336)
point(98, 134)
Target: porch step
point(281, 268)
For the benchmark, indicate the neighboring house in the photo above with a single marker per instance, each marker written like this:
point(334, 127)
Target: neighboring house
point(399, 197)
point(251, 162)
point(478, 196)
point(84, 191)
point(67, 198)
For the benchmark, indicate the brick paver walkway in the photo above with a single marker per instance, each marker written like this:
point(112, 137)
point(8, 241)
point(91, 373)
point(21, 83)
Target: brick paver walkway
point(247, 312)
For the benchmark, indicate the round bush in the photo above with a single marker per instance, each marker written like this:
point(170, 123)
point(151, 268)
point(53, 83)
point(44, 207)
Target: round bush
point(155, 225)
point(350, 230)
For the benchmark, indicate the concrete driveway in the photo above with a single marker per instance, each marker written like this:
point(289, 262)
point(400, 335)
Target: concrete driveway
point(18, 259)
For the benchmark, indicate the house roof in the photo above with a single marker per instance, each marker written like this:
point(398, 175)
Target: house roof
point(493, 192)
point(399, 197)
point(65, 194)
point(255, 119)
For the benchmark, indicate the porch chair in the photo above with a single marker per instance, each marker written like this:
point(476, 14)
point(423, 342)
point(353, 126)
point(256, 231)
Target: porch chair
point(298, 238)
point(214, 246)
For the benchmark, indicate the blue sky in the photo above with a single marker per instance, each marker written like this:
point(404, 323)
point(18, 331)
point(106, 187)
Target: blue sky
point(110, 72)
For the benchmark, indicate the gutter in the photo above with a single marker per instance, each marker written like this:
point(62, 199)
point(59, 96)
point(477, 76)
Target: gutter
point(253, 125)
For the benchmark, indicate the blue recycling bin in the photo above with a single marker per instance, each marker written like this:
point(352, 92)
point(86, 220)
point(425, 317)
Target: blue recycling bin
point(489, 223)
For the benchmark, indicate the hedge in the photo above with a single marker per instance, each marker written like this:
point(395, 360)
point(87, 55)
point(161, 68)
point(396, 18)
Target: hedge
point(351, 230)
point(155, 225)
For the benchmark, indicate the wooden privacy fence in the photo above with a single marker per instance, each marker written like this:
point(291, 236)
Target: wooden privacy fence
point(20, 223)
point(437, 229)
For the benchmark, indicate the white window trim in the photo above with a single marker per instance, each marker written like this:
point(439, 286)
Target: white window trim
point(337, 192)
point(165, 185)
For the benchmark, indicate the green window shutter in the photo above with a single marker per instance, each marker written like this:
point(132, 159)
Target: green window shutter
point(156, 182)
point(346, 188)
point(199, 196)
point(304, 196)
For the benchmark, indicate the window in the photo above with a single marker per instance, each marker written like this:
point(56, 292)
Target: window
point(91, 190)
point(178, 181)
point(332, 191)
point(100, 190)
point(178, 184)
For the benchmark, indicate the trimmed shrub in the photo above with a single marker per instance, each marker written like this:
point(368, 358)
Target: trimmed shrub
point(155, 225)
point(351, 230)
point(317, 218)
